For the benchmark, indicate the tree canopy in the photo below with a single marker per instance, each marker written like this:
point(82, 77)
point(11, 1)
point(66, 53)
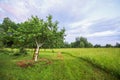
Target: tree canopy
point(34, 32)
point(39, 32)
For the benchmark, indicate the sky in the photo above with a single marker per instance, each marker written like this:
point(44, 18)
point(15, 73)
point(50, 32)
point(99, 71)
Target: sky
point(97, 20)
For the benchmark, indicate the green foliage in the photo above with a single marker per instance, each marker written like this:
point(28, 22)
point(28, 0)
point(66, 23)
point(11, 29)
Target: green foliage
point(33, 30)
point(1, 36)
point(108, 46)
point(5, 33)
point(90, 45)
point(82, 45)
point(38, 31)
point(117, 45)
point(66, 45)
point(97, 46)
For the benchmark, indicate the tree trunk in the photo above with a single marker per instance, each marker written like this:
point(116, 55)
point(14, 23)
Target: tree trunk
point(36, 53)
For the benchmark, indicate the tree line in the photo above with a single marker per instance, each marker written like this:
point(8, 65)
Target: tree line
point(38, 32)
point(82, 42)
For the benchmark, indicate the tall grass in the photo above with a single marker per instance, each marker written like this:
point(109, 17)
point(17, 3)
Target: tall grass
point(107, 59)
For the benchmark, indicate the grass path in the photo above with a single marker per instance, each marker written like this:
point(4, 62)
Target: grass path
point(83, 70)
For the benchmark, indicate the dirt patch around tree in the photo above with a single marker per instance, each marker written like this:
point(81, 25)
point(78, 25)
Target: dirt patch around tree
point(31, 63)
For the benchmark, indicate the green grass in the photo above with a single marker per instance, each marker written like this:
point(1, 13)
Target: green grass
point(108, 59)
point(78, 64)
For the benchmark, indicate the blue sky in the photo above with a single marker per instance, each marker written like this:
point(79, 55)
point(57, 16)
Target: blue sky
point(97, 20)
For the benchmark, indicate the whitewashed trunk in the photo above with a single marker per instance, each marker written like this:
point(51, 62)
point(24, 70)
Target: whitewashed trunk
point(36, 54)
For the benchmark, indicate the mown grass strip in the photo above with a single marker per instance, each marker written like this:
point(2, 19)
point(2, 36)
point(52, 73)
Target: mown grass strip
point(105, 69)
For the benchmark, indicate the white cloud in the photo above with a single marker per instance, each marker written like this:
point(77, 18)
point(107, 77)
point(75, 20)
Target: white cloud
point(84, 23)
point(20, 9)
point(100, 34)
point(1, 10)
point(80, 27)
point(48, 5)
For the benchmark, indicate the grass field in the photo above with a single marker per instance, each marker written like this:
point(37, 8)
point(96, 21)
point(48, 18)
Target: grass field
point(72, 64)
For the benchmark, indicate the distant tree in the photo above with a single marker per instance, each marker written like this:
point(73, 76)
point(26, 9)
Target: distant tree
point(90, 45)
point(97, 46)
point(1, 36)
point(117, 45)
point(82, 44)
point(40, 32)
point(6, 35)
point(77, 42)
point(72, 45)
point(108, 45)
point(84, 40)
point(66, 45)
